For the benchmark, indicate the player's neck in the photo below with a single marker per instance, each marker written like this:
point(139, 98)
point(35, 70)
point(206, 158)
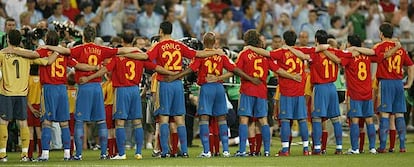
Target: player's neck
point(166, 37)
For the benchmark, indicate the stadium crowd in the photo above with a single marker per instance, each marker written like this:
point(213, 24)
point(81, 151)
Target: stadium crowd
point(132, 28)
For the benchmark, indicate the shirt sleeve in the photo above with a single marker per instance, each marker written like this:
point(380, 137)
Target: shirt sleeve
point(306, 50)
point(111, 65)
point(345, 61)
point(76, 52)
point(379, 52)
point(109, 52)
point(187, 51)
point(195, 64)
point(71, 62)
point(153, 52)
point(229, 66)
point(276, 54)
point(407, 59)
point(149, 65)
point(341, 53)
point(40, 61)
point(272, 65)
point(240, 61)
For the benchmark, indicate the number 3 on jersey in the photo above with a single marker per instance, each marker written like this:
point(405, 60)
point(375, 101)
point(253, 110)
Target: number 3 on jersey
point(259, 69)
point(177, 63)
point(131, 75)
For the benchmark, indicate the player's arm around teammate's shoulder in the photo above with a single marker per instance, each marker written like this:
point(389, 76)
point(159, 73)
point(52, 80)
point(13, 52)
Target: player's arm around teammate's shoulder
point(21, 52)
point(258, 50)
point(208, 53)
point(59, 49)
point(132, 53)
point(46, 60)
point(332, 56)
point(296, 52)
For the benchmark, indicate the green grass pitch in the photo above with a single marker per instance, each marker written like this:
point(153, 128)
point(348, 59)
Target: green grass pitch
point(90, 158)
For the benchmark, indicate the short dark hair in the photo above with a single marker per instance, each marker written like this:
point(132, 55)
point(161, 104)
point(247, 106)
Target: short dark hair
point(334, 20)
point(9, 19)
point(276, 36)
point(245, 8)
point(166, 27)
point(89, 33)
point(251, 37)
point(14, 37)
point(354, 40)
point(209, 39)
point(387, 30)
point(225, 10)
point(128, 36)
point(52, 38)
point(55, 5)
point(78, 17)
point(290, 37)
point(321, 37)
point(313, 11)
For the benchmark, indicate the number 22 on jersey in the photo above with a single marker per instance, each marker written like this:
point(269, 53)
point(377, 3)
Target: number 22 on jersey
point(176, 65)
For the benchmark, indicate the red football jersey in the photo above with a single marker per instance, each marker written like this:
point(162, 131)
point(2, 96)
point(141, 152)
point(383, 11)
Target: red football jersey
point(391, 68)
point(169, 54)
point(256, 66)
point(55, 73)
point(93, 55)
point(323, 70)
point(211, 65)
point(127, 72)
point(358, 76)
point(294, 65)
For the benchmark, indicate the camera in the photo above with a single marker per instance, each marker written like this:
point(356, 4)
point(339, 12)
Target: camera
point(30, 35)
point(61, 28)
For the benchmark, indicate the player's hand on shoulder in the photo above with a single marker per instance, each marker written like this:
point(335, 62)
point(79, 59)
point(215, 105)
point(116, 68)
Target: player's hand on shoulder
point(297, 78)
point(256, 81)
point(220, 52)
point(8, 50)
point(83, 80)
point(211, 78)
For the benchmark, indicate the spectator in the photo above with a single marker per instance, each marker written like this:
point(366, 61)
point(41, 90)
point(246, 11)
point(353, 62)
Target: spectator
point(14, 8)
point(148, 20)
point(237, 10)
point(374, 20)
point(177, 31)
point(216, 6)
point(312, 25)
point(277, 43)
point(283, 24)
point(355, 15)
point(282, 6)
point(388, 8)
point(36, 15)
point(300, 14)
point(193, 12)
point(319, 6)
point(106, 12)
point(248, 21)
point(90, 16)
point(25, 20)
point(129, 15)
point(80, 22)
point(325, 17)
point(264, 20)
point(69, 11)
point(303, 39)
point(400, 13)
point(342, 6)
point(57, 15)
point(340, 34)
point(204, 23)
point(179, 10)
point(227, 28)
point(407, 27)
point(44, 8)
point(9, 24)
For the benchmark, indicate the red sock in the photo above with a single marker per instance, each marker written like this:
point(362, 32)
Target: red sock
point(31, 149)
point(111, 147)
point(252, 144)
point(324, 140)
point(290, 142)
point(39, 147)
point(392, 138)
point(211, 142)
point(259, 141)
point(72, 146)
point(361, 141)
point(216, 144)
point(174, 143)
